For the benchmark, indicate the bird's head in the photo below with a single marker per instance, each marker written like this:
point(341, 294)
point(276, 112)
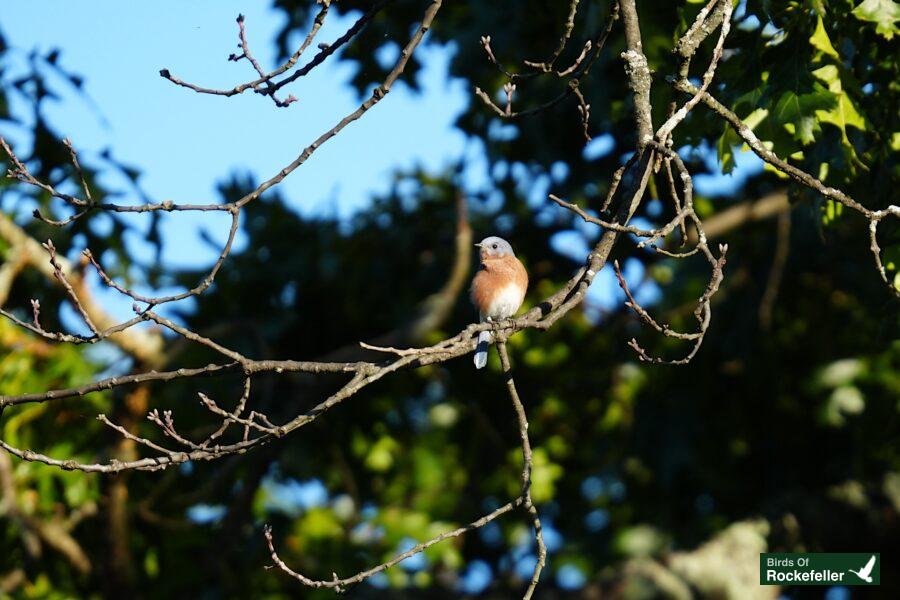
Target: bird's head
point(494, 247)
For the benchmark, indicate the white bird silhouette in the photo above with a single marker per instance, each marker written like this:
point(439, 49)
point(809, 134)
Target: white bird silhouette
point(866, 572)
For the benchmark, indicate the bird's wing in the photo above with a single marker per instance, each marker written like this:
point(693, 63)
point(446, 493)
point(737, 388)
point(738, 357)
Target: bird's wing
point(869, 565)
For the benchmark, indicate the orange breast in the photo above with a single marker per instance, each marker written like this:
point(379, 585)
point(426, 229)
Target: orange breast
point(494, 281)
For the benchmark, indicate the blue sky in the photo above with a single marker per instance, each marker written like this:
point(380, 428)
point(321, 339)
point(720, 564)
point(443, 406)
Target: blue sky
point(184, 143)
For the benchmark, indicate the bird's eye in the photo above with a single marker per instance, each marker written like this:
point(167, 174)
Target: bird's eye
point(494, 246)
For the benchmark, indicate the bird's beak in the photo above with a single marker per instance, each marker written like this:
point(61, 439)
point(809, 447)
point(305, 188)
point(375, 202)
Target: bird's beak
point(478, 245)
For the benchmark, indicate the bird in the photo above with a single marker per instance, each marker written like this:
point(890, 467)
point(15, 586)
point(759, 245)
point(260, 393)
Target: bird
point(498, 288)
point(866, 572)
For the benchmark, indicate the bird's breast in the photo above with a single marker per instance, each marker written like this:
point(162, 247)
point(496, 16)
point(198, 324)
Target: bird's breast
point(505, 301)
point(499, 287)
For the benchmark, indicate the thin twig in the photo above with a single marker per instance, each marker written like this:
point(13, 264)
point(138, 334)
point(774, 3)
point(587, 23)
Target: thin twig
point(527, 467)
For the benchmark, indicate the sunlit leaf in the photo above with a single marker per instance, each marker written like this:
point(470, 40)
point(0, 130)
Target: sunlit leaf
point(884, 13)
point(821, 41)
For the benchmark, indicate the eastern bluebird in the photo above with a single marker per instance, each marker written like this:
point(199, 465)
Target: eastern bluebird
point(497, 289)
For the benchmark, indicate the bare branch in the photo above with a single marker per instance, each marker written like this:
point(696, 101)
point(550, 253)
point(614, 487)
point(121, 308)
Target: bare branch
point(638, 72)
point(74, 158)
point(573, 75)
point(57, 271)
point(167, 424)
point(229, 418)
point(130, 436)
point(666, 129)
point(527, 466)
point(703, 26)
point(21, 173)
point(339, 584)
point(547, 64)
point(265, 84)
point(234, 417)
point(524, 500)
point(703, 313)
point(144, 345)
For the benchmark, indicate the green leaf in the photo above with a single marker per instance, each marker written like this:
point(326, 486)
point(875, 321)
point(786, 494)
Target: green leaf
point(381, 454)
point(820, 40)
point(797, 112)
point(845, 400)
point(151, 563)
point(891, 258)
point(640, 540)
point(884, 13)
point(840, 373)
point(844, 114)
point(319, 523)
point(831, 211)
point(544, 476)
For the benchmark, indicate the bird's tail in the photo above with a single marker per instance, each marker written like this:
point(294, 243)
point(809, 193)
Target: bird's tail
point(481, 350)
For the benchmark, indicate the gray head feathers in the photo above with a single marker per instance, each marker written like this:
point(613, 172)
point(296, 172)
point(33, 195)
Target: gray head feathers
point(495, 247)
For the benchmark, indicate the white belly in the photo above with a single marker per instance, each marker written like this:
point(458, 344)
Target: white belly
point(506, 303)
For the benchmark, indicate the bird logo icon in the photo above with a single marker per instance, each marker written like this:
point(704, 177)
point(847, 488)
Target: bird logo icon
point(866, 572)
